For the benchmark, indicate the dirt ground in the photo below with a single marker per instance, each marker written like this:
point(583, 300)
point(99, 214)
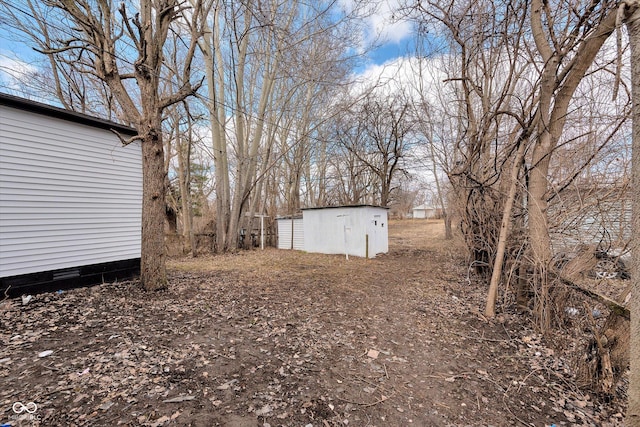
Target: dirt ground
point(286, 338)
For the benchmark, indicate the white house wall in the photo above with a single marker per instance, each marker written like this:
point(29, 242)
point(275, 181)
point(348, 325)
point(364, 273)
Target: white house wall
point(70, 194)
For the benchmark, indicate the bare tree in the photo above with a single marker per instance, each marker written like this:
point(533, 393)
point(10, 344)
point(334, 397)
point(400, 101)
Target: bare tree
point(484, 105)
point(234, 81)
point(299, 115)
point(500, 113)
point(568, 37)
point(632, 15)
point(375, 130)
point(58, 80)
point(424, 129)
point(124, 49)
point(266, 64)
point(350, 181)
point(425, 123)
point(180, 145)
point(567, 43)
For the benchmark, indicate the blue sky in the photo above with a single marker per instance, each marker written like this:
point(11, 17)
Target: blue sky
point(16, 58)
point(391, 38)
point(390, 51)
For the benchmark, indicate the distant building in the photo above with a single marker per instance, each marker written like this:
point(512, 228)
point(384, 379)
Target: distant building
point(593, 215)
point(425, 211)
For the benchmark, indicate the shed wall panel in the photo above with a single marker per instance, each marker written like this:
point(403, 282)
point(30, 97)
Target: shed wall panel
point(70, 194)
point(419, 213)
point(284, 233)
point(344, 230)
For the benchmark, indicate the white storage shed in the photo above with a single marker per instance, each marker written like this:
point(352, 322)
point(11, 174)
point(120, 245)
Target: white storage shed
point(70, 199)
point(360, 230)
point(424, 211)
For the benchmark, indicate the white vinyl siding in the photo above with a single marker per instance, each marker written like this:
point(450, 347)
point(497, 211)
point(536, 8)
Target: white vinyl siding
point(284, 233)
point(70, 194)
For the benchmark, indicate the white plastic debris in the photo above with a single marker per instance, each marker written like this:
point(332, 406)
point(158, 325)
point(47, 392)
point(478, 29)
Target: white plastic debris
point(266, 409)
point(571, 311)
point(179, 399)
point(26, 299)
point(45, 353)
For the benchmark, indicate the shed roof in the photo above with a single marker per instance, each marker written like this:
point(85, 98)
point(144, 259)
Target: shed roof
point(423, 207)
point(296, 216)
point(344, 206)
point(61, 113)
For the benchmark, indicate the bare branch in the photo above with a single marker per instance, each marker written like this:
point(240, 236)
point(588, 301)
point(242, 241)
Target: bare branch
point(127, 141)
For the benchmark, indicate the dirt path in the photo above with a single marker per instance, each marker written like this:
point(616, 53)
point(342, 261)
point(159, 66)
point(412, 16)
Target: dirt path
point(286, 338)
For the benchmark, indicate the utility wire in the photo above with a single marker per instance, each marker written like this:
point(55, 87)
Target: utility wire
point(203, 98)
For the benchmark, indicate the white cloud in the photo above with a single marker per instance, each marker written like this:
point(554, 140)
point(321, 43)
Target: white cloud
point(14, 72)
point(385, 25)
point(381, 18)
point(402, 74)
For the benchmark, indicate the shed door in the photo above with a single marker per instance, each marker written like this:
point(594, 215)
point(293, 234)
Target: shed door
point(298, 234)
point(285, 234)
point(375, 235)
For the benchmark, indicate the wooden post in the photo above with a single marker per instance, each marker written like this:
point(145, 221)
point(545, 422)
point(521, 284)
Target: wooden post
point(366, 251)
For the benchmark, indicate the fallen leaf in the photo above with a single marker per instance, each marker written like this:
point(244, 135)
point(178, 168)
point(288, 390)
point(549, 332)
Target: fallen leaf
point(106, 406)
point(80, 397)
point(264, 410)
point(179, 399)
point(160, 421)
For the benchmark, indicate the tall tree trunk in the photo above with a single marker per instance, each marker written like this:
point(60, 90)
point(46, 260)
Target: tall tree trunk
point(184, 179)
point(555, 95)
point(539, 229)
point(211, 48)
point(385, 186)
point(633, 409)
point(152, 264)
point(248, 145)
point(448, 233)
point(490, 309)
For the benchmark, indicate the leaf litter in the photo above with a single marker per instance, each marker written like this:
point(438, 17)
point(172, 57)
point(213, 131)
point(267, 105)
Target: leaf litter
point(286, 338)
